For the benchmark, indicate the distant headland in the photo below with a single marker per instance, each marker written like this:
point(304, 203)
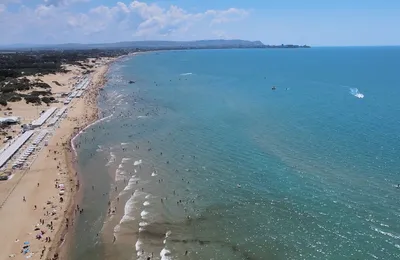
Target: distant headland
point(153, 45)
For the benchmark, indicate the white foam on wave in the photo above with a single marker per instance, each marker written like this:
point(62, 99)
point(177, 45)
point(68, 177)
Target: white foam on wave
point(138, 245)
point(135, 170)
point(186, 74)
point(165, 254)
point(111, 160)
point(146, 203)
point(153, 174)
point(117, 229)
point(141, 116)
point(126, 159)
point(119, 175)
point(123, 144)
point(355, 92)
point(386, 233)
point(148, 196)
point(129, 210)
point(166, 236)
point(143, 224)
point(144, 214)
point(137, 162)
point(131, 183)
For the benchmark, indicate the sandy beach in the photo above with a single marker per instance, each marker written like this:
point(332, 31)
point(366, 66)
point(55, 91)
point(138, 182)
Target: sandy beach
point(32, 214)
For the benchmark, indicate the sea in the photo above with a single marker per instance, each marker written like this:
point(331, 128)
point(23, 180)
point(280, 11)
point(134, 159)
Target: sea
point(255, 154)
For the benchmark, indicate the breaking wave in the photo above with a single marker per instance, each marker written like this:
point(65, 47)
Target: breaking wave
point(186, 74)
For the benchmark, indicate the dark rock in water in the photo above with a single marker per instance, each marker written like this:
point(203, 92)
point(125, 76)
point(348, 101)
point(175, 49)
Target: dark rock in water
point(131, 82)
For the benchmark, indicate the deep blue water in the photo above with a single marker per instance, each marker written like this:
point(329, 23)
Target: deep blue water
point(307, 171)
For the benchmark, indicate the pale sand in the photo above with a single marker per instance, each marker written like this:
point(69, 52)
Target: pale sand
point(55, 161)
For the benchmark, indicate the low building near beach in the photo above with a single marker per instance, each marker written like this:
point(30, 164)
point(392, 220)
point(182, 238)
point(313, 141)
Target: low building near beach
point(10, 120)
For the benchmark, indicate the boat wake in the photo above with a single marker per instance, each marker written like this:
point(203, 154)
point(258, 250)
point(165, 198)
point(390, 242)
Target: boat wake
point(355, 92)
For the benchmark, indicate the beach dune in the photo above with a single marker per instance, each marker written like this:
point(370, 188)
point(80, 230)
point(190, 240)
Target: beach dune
point(33, 218)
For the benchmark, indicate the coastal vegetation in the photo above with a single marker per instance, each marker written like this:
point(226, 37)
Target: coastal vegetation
point(16, 66)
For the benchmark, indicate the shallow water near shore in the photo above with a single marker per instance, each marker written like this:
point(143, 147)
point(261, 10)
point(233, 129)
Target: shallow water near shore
point(207, 162)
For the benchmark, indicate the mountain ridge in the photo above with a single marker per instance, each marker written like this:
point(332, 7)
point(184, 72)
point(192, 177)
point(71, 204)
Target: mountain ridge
point(236, 43)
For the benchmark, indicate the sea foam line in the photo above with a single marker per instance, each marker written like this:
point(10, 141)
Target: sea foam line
point(131, 183)
point(128, 214)
point(137, 162)
point(386, 233)
point(126, 160)
point(129, 210)
point(138, 245)
point(111, 160)
point(165, 253)
point(119, 175)
point(84, 129)
point(144, 214)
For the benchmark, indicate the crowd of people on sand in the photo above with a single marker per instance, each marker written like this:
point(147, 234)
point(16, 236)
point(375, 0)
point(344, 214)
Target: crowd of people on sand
point(45, 229)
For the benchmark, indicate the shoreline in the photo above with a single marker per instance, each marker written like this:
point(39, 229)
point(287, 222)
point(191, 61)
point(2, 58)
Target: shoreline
point(19, 222)
point(64, 241)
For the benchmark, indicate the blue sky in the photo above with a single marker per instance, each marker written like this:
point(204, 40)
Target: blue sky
point(317, 23)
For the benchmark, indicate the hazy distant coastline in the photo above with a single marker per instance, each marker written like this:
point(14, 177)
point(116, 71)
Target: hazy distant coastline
point(152, 45)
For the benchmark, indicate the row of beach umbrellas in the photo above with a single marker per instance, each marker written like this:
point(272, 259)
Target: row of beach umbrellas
point(24, 156)
point(40, 137)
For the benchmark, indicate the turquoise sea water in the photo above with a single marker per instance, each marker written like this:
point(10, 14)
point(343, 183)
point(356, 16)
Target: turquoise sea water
point(210, 163)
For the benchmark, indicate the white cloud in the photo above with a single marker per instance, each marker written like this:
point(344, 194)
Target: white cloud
point(63, 2)
point(229, 15)
point(55, 22)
